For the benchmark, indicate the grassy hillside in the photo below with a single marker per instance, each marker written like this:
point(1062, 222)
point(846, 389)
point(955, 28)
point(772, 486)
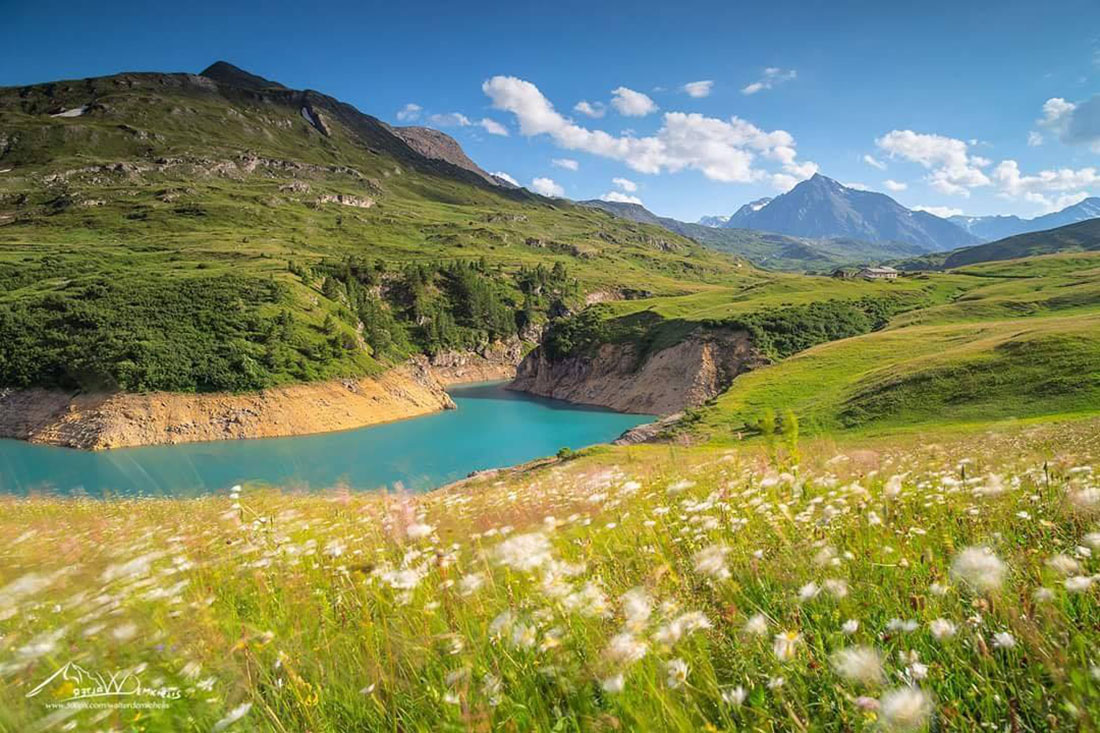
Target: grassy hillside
point(936, 582)
point(1019, 342)
point(1083, 236)
point(180, 233)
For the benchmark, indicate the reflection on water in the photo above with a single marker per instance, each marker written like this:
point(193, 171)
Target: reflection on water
point(492, 427)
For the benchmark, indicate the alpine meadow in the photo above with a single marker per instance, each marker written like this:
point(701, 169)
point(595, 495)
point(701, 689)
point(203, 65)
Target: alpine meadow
point(311, 402)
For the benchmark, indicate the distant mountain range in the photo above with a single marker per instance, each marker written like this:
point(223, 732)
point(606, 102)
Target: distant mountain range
point(989, 228)
point(769, 249)
point(821, 208)
point(1081, 236)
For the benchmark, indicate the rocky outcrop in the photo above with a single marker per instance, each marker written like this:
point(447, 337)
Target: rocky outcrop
point(649, 432)
point(490, 363)
point(619, 376)
point(100, 421)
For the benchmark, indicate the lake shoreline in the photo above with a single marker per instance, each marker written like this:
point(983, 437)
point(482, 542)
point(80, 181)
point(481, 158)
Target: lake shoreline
point(97, 422)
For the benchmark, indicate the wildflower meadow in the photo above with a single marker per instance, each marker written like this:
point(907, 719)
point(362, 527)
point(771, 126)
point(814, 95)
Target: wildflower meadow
point(923, 582)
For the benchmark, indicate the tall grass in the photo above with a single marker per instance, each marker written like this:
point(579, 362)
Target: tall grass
point(892, 584)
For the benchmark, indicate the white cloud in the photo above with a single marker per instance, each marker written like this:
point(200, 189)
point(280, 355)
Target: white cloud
point(722, 150)
point(698, 89)
point(409, 112)
point(567, 163)
point(621, 198)
point(595, 110)
point(493, 127)
point(856, 185)
point(893, 185)
point(1034, 188)
point(1073, 123)
point(547, 187)
point(773, 76)
point(953, 170)
point(941, 211)
point(625, 184)
point(505, 176)
point(1034, 139)
point(630, 103)
point(457, 119)
point(874, 162)
point(450, 119)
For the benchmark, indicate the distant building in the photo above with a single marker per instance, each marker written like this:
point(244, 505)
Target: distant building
point(879, 273)
point(844, 273)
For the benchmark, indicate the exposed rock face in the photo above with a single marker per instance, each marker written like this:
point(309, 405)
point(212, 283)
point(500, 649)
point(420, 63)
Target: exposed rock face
point(438, 145)
point(667, 381)
point(650, 432)
point(99, 421)
point(361, 202)
point(496, 361)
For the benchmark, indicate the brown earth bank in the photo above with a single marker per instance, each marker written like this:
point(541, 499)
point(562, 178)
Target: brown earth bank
point(494, 362)
point(101, 421)
point(623, 378)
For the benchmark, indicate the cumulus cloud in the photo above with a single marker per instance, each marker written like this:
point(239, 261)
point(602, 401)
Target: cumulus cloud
point(874, 162)
point(893, 185)
point(1034, 139)
point(547, 187)
point(450, 119)
point(630, 103)
point(941, 211)
point(698, 89)
point(409, 112)
point(457, 119)
point(493, 127)
point(952, 169)
point(625, 184)
point(567, 163)
point(505, 176)
point(772, 77)
point(722, 150)
point(1073, 123)
point(1036, 188)
point(621, 198)
point(595, 110)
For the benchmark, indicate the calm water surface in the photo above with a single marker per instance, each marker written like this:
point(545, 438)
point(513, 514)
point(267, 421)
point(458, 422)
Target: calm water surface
point(492, 427)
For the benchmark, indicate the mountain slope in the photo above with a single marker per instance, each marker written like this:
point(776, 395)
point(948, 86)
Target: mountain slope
point(768, 249)
point(220, 232)
point(1084, 236)
point(823, 208)
point(989, 228)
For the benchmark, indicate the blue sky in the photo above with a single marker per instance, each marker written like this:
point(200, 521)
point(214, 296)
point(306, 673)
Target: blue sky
point(980, 107)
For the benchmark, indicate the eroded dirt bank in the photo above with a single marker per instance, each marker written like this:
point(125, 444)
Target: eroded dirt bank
point(100, 421)
point(619, 376)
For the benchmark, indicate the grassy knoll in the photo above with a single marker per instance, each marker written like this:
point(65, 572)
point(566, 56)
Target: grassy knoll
point(941, 580)
point(1020, 341)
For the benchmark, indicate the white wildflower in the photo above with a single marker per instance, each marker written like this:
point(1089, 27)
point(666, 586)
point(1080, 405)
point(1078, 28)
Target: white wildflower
point(850, 626)
point(625, 649)
point(232, 717)
point(942, 629)
point(786, 644)
point(734, 696)
point(979, 568)
point(524, 552)
point(860, 664)
point(677, 671)
point(906, 708)
point(712, 561)
point(1004, 640)
point(757, 625)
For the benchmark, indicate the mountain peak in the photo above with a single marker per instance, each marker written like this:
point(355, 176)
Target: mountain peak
point(224, 72)
point(822, 208)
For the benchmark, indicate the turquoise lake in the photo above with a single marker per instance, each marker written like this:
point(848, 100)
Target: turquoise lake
point(492, 427)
